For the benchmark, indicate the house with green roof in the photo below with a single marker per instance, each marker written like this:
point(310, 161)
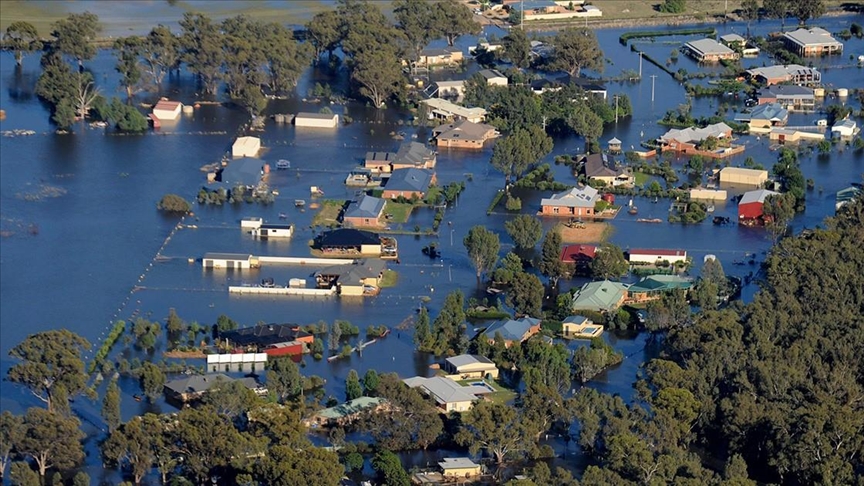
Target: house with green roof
point(602, 296)
point(347, 412)
point(654, 286)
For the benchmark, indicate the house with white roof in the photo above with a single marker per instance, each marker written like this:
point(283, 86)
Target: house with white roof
point(789, 73)
point(448, 395)
point(687, 140)
point(812, 42)
point(709, 50)
point(445, 110)
point(844, 128)
point(470, 366)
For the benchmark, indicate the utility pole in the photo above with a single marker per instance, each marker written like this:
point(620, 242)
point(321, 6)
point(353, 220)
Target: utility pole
point(652, 87)
point(616, 108)
point(640, 65)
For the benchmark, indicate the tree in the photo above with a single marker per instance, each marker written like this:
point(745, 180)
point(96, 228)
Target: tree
point(370, 382)
point(334, 337)
point(517, 48)
point(749, 12)
point(378, 74)
point(22, 38)
point(454, 19)
point(585, 122)
point(778, 210)
point(284, 58)
point(804, 10)
point(128, 50)
point(673, 6)
point(201, 48)
point(81, 479)
point(495, 428)
point(21, 474)
point(516, 152)
point(550, 257)
point(609, 262)
point(173, 203)
point(284, 379)
point(324, 32)
point(152, 380)
point(421, 330)
point(353, 389)
point(64, 115)
point(50, 359)
point(525, 295)
point(483, 246)
point(525, 230)
point(510, 265)
point(230, 398)
point(206, 441)
point(671, 311)
point(447, 329)
point(86, 93)
point(51, 440)
point(389, 469)
point(778, 9)
point(413, 422)
point(11, 431)
point(416, 19)
point(111, 406)
point(135, 446)
point(75, 35)
point(161, 53)
point(289, 466)
point(576, 48)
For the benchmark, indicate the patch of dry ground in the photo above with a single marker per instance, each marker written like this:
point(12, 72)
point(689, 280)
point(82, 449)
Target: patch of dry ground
point(591, 233)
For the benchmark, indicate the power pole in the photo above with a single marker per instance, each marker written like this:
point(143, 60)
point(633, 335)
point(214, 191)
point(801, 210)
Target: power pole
point(652, 87)
point(616, 108)
point(640, 65)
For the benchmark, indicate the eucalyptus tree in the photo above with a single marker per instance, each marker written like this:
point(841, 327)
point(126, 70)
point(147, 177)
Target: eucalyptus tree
point(160, 51)
point(22, 38)
point(74, 36)
point(48, 360)
point(201, 47)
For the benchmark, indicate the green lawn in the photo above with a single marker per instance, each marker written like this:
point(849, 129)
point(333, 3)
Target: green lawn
point(641, 178)
point(501, 394)
point(328, 215)
point(399, 212)
point(389, 279)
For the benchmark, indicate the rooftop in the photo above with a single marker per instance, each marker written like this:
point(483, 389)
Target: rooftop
point(379, 156)
point(769, 111)
point(692, 134)
point(167, 105)
point(491, 73)
point(811, 37)
point(356, 273)
point(264, 334)
point(462, 130)
point(202, 383)
point(410, 179)
point(599, 296)
point(662, 252)
point(787, 91)
point(468, 359)
point(597, 165)
point(245, 171)
point(575, 320)
point(448, 108)
point(731, 38)
point(365, 207)
point(575, 253)
point(443, 390)
point(782, 71)
point(227, 256)
point(577, 197)
point(756, 196)
point(709, 47)
point(659, 283)
point(346, 237)
point(413, 153)
point(319, 116)
point(351, 407)
point(457, 463)
point(511, 329)
point(741, 171)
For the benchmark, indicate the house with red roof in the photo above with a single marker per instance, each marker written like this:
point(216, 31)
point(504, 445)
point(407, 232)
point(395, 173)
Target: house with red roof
point(751, 206)
point(580, 256)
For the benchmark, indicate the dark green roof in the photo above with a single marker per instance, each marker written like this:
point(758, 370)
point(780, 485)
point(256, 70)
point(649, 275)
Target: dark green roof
point(661, 283)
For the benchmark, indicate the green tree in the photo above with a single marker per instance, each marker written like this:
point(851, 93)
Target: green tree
point(525, 295)
point(201, 48)
point(454, 19)
point(371, 380)
point(378, 74)
point(414, 422)
point(416, 19)
point(111, 406)
point(152, 380)
point(516, 152)
point(750, 12)
point(551, 265)
point(497, 429)
point(51, 440)
point(778, 210)
point(421, 330)
point(284, 58)
point(75, 34)
point(11, 431)
point(308, 466)
point(134, 446)
point(284, 379)
point(671, 311)
point(206, 442)
point(49, 360)
point(22, 38)
point(225, 323)
point(64, 115)
point(609, 262)
point(353, 388)
point(777, 9)
point(57, 80)
point(804, 10)
point(324, 32)
point(128, 50)
point(353, 462)
point(483, 246)
point(160, 51)
point(81, 479)
point(21, 474)
point(525, 230)
point(389, 469)
point(230, 399)
point(673, 6)
point(576, 48)
point(447, 326)
point(585, 122)
point(517, 48)
point(174, 204)
point(510, 265)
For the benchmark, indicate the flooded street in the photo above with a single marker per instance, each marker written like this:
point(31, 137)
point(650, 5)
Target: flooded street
point(83, 244)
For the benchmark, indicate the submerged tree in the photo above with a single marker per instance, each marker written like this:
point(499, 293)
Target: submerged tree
point(576, 48)
point(49, 360)
point(21, 38)
point(525, 230)
point(550, 257)
point(516, 152)
point(483, 246)
point(75, 35)
point(161, 53)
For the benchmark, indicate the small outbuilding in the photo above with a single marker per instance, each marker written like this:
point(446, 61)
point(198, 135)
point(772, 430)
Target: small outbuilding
point(459, 467)
point(316, 120)
point(167, 110)
point(580, 327)
point(709, 50)
point(614, 146)
point(655, 255)
point(742, 176)
point(246, 147)
point(494, 77)
point(844, 128)
point(238, 261)
point(470, 366)
point(270, 230)
point(751, 206)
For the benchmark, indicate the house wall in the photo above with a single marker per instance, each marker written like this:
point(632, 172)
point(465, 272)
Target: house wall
point(271, 233)
point(365, 222)
point(466, 144)
point(655, 258)
point(317, 122)
point(565, 211)
point(751, 180)
point(249, 149)
point(406, 194)
point(462, 472)
point(351, 290)
point(219, 263)
point(458, 406)
point(285, 350)
point(370, 249)
point(708, 194)
point(167, 115)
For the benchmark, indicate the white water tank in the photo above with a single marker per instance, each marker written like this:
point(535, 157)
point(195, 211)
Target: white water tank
point(842, 92)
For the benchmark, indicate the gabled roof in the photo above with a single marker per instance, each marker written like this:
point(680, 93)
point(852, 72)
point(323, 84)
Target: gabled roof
point(575, 320)
point(811, 37)
point(443, 390)
point(577, 197)
point(692, 134)
point(577, 253)
point(355, 274)
point(511, 329)
point(167, 105)
point(731, 38)
point(468, 359)
point(264, 334)
point(457, 463)
point(709, 47)
point(244, 171)
point(756, 196)
point(597, 165)
point(413, 153)
point(366, 207)
point(782, 71)
point(462, 130)
point(614, 141)
point(379, 156)
point(438, 51)
point(491, 73)
point(769, 111)
point(660, 283)
point(599, 296)
point(202, 383)
point(410, 179)
point(787, 91)
point(351, 407)
point(346, 237)
point(845, 123)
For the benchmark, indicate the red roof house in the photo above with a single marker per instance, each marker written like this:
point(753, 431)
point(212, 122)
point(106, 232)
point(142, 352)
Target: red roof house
point(750, 208)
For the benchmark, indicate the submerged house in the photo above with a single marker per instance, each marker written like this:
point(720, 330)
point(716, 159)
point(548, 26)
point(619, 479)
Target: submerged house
point(751, 206)
point(578, 201)
point(346, 413)
point(601, 167)
point(513, 330)
point(789, 73)
point(654, 256)
point(193, 387)
point(265, 336)
point(448, 395)
point(470, 366)
point(653, 287)
point(789, 96)
point(442, 109)
point(463, 134)
point(765, 116)
point(353, 242)
point(688, 140)
point(812, 42)
point(316, 120)
point(445, 56)
point(742, 176)
point(709, 50)
point(167, 110)
point(600, 296)
point(579, 255)
point(364, 212)
point(413, 155)
point(408, 183)
point(361, 278)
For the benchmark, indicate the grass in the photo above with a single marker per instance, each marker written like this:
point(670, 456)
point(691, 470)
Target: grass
point(502, 395)
point(399, 212)
point(328, 215)
point(389, 279)
point(641, 178)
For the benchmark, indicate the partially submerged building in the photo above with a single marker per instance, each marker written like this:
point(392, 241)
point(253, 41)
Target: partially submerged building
point(709, 50)
point(463, 134)
point(361, 278)
point(470, 366)
point(601, 167)
point(578, 201)
point(689, 140)
point(742, 176)
point(751, 206)
point(408, 183)
point(193, 387)
point(600, 296)
point(246, 147)
point(789, 73)
point(442, 109)
point(815, 41)
point(353, 242)
point(765, 116)
point(791, 97)
point(513, 331)
point(580, 327)
point(653, 287)
point(653, 256)
point(264, 337)
point(346, 413)
point(316, 120)
point(364, 212)
point(448, 395)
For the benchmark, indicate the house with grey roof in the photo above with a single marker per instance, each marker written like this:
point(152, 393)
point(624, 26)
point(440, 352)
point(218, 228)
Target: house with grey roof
point(653, 287)
point(364, 212)
point(493, 77)
point(470, 366)
point(789, 73)
point(709, 50)
point(408, 183)
point(245, 171)
point(193, 387)
point(600, 296)
point(765, 116)
point(790, 97)
point(463, 134)
point(812, 42)
point(348, 412)
point(601, 167)
point(448, 395)
point(413, 155)
point(689, 140)
point(578, 201)
point(513, 330)
point(580, 327)
point(359, 279)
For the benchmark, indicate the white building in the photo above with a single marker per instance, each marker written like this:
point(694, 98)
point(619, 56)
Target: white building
point(268, 230)
point(167, 110)
point(494, 77)
point(246, 147)
point(653, 256)
point(251, 223)
point(236, 363)
point(229, 260)
point(844, 128)
point(446, 110)
point(316, 120)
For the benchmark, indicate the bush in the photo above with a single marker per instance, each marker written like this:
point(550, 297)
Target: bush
point(513, 203)
point(174, 204)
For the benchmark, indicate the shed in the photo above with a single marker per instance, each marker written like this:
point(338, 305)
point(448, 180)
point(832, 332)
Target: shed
point(246, 147)
point(229, 260)
point(461, 467)
point(652, 256)
point(700, 193)
point(316, 120)
point(709, 50)
point(270, 230)
point(166, 110)
point(844, 128)
point(494, 77)
point(742, 176)
point(290, 348)
point(750, 208)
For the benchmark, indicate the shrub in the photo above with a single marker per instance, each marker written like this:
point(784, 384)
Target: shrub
point(513, 203)
point(174, 204)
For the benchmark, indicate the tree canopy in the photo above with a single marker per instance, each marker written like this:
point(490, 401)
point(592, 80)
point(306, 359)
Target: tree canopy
point(21, 38)
point(575, 49)
point(49, 360)
point(516, 152)
point(483, 246)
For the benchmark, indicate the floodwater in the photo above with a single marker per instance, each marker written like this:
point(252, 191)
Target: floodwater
point(82, 233)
